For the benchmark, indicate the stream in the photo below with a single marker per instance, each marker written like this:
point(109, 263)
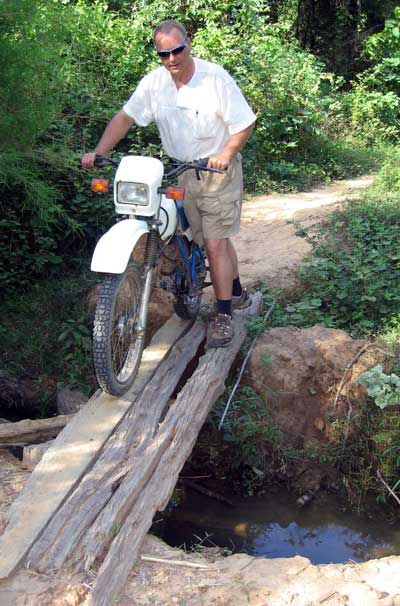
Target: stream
point(274, 526)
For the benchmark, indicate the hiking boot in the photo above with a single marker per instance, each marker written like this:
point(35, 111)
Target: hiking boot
point(242, 301)
point(220, 331)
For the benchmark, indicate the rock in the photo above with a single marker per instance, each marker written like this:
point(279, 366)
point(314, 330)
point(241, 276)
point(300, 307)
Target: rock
point(304, 499)
point(10, 391)
point(300, 381)
point(70, 400)
point(33, 453)
point(25, 392)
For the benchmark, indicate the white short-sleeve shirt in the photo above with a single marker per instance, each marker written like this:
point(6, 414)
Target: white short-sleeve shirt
point(196, 120)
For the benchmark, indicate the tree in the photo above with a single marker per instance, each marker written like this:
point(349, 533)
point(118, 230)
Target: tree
point(335, 30)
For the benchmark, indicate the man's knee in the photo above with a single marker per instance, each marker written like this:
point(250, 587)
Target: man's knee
point(216, 248)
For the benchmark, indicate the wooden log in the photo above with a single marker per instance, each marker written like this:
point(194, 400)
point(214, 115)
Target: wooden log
point(29, 431)
point(182, 423)
point(72, 453)
point(123, 454)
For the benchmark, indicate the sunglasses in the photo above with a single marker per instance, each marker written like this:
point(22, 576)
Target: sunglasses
point(174, 51)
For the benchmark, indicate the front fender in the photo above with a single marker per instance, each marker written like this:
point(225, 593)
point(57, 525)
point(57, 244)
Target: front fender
point(114, 248)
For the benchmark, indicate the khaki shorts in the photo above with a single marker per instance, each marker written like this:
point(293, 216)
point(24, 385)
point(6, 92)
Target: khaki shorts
point(213, 204)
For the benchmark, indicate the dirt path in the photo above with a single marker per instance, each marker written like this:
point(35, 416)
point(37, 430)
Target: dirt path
point(268, 250)
point(266, 245)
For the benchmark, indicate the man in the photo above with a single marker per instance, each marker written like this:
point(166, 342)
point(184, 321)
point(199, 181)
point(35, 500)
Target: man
point(200, 112)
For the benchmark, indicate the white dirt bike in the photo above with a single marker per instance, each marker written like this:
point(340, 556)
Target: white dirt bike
point(171, 260)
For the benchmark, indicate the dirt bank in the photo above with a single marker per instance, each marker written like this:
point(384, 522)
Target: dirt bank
point(210, 580)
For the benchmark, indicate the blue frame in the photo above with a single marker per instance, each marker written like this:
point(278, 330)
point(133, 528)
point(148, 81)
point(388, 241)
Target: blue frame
point(196, 260)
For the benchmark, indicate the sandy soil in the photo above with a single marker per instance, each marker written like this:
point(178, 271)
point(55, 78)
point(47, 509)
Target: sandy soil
point(266, 245)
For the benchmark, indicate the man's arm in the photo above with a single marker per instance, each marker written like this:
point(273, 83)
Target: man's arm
point(114, 132)
point(234, 144)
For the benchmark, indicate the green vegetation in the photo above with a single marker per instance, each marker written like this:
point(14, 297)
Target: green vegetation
point(70, 65)
point(51, 333)
point(382, 388)
point(350, 280)
point(327, 97)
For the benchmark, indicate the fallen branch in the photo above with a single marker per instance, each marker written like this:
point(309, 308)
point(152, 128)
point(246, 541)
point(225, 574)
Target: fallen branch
point(394, 495)
point(242, 369)
point(207, 492)
point(348, 367)
point(174, 562)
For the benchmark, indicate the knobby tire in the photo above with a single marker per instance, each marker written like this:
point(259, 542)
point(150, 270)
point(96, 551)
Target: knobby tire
point(117, 349)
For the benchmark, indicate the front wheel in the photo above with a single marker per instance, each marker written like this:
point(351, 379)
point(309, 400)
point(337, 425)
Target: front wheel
point(117, 343)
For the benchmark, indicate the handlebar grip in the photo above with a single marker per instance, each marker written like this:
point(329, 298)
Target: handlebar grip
point(101, 161)
point(203, 163)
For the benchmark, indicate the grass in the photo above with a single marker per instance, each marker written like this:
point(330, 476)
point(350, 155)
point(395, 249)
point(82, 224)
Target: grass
point(47, 329)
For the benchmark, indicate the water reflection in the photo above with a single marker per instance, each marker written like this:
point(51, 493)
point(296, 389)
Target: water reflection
point(273, 526)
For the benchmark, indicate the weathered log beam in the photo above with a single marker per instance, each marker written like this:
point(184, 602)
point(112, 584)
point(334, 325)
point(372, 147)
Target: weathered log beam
point(182, 423)
point(29, 431)
point(72, 454)
point(124, 454)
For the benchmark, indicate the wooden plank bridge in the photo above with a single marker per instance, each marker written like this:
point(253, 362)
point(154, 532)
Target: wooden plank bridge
point(89, 503)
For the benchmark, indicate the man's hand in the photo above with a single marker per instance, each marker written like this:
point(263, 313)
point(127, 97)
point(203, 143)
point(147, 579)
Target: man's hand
point(220, 161)
point(87, 160)
point(233, 145)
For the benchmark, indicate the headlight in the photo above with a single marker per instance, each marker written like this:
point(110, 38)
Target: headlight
point(133, 193)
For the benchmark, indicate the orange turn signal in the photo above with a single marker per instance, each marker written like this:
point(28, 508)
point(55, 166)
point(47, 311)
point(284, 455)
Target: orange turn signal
point(100, 185)
point(175, 193)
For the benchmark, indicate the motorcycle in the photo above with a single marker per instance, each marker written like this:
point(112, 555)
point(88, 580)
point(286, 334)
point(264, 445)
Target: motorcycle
point(171, 260)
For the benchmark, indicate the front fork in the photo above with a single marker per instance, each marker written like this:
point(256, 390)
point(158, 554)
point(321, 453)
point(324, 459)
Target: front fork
point(150, 261)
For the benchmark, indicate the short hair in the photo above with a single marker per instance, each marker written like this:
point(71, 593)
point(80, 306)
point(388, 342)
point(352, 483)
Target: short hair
point(167, 25)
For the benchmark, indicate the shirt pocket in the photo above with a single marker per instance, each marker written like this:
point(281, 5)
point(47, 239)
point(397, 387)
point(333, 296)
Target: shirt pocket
point(204, 123)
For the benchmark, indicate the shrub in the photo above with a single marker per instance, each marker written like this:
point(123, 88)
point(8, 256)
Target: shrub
point(374, 102)
point(351, 277)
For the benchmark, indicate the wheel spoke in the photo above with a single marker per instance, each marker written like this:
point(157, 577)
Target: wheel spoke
point(116, 349)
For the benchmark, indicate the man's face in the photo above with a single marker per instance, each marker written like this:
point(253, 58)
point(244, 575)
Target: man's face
point(177, 64)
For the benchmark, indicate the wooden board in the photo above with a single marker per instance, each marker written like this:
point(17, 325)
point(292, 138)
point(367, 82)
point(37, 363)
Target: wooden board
point(130, 511)
point(72, 453)
point(83, 518)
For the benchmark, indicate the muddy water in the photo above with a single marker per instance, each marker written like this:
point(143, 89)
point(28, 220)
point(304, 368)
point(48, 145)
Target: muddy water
point(273, 526)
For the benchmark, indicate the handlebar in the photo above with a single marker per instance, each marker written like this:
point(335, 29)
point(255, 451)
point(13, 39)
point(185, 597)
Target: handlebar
point(181, 167)
point(196, 165)
point(102, 161)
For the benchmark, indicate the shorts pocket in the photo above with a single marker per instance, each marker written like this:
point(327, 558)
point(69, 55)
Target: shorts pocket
point(229, 210)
